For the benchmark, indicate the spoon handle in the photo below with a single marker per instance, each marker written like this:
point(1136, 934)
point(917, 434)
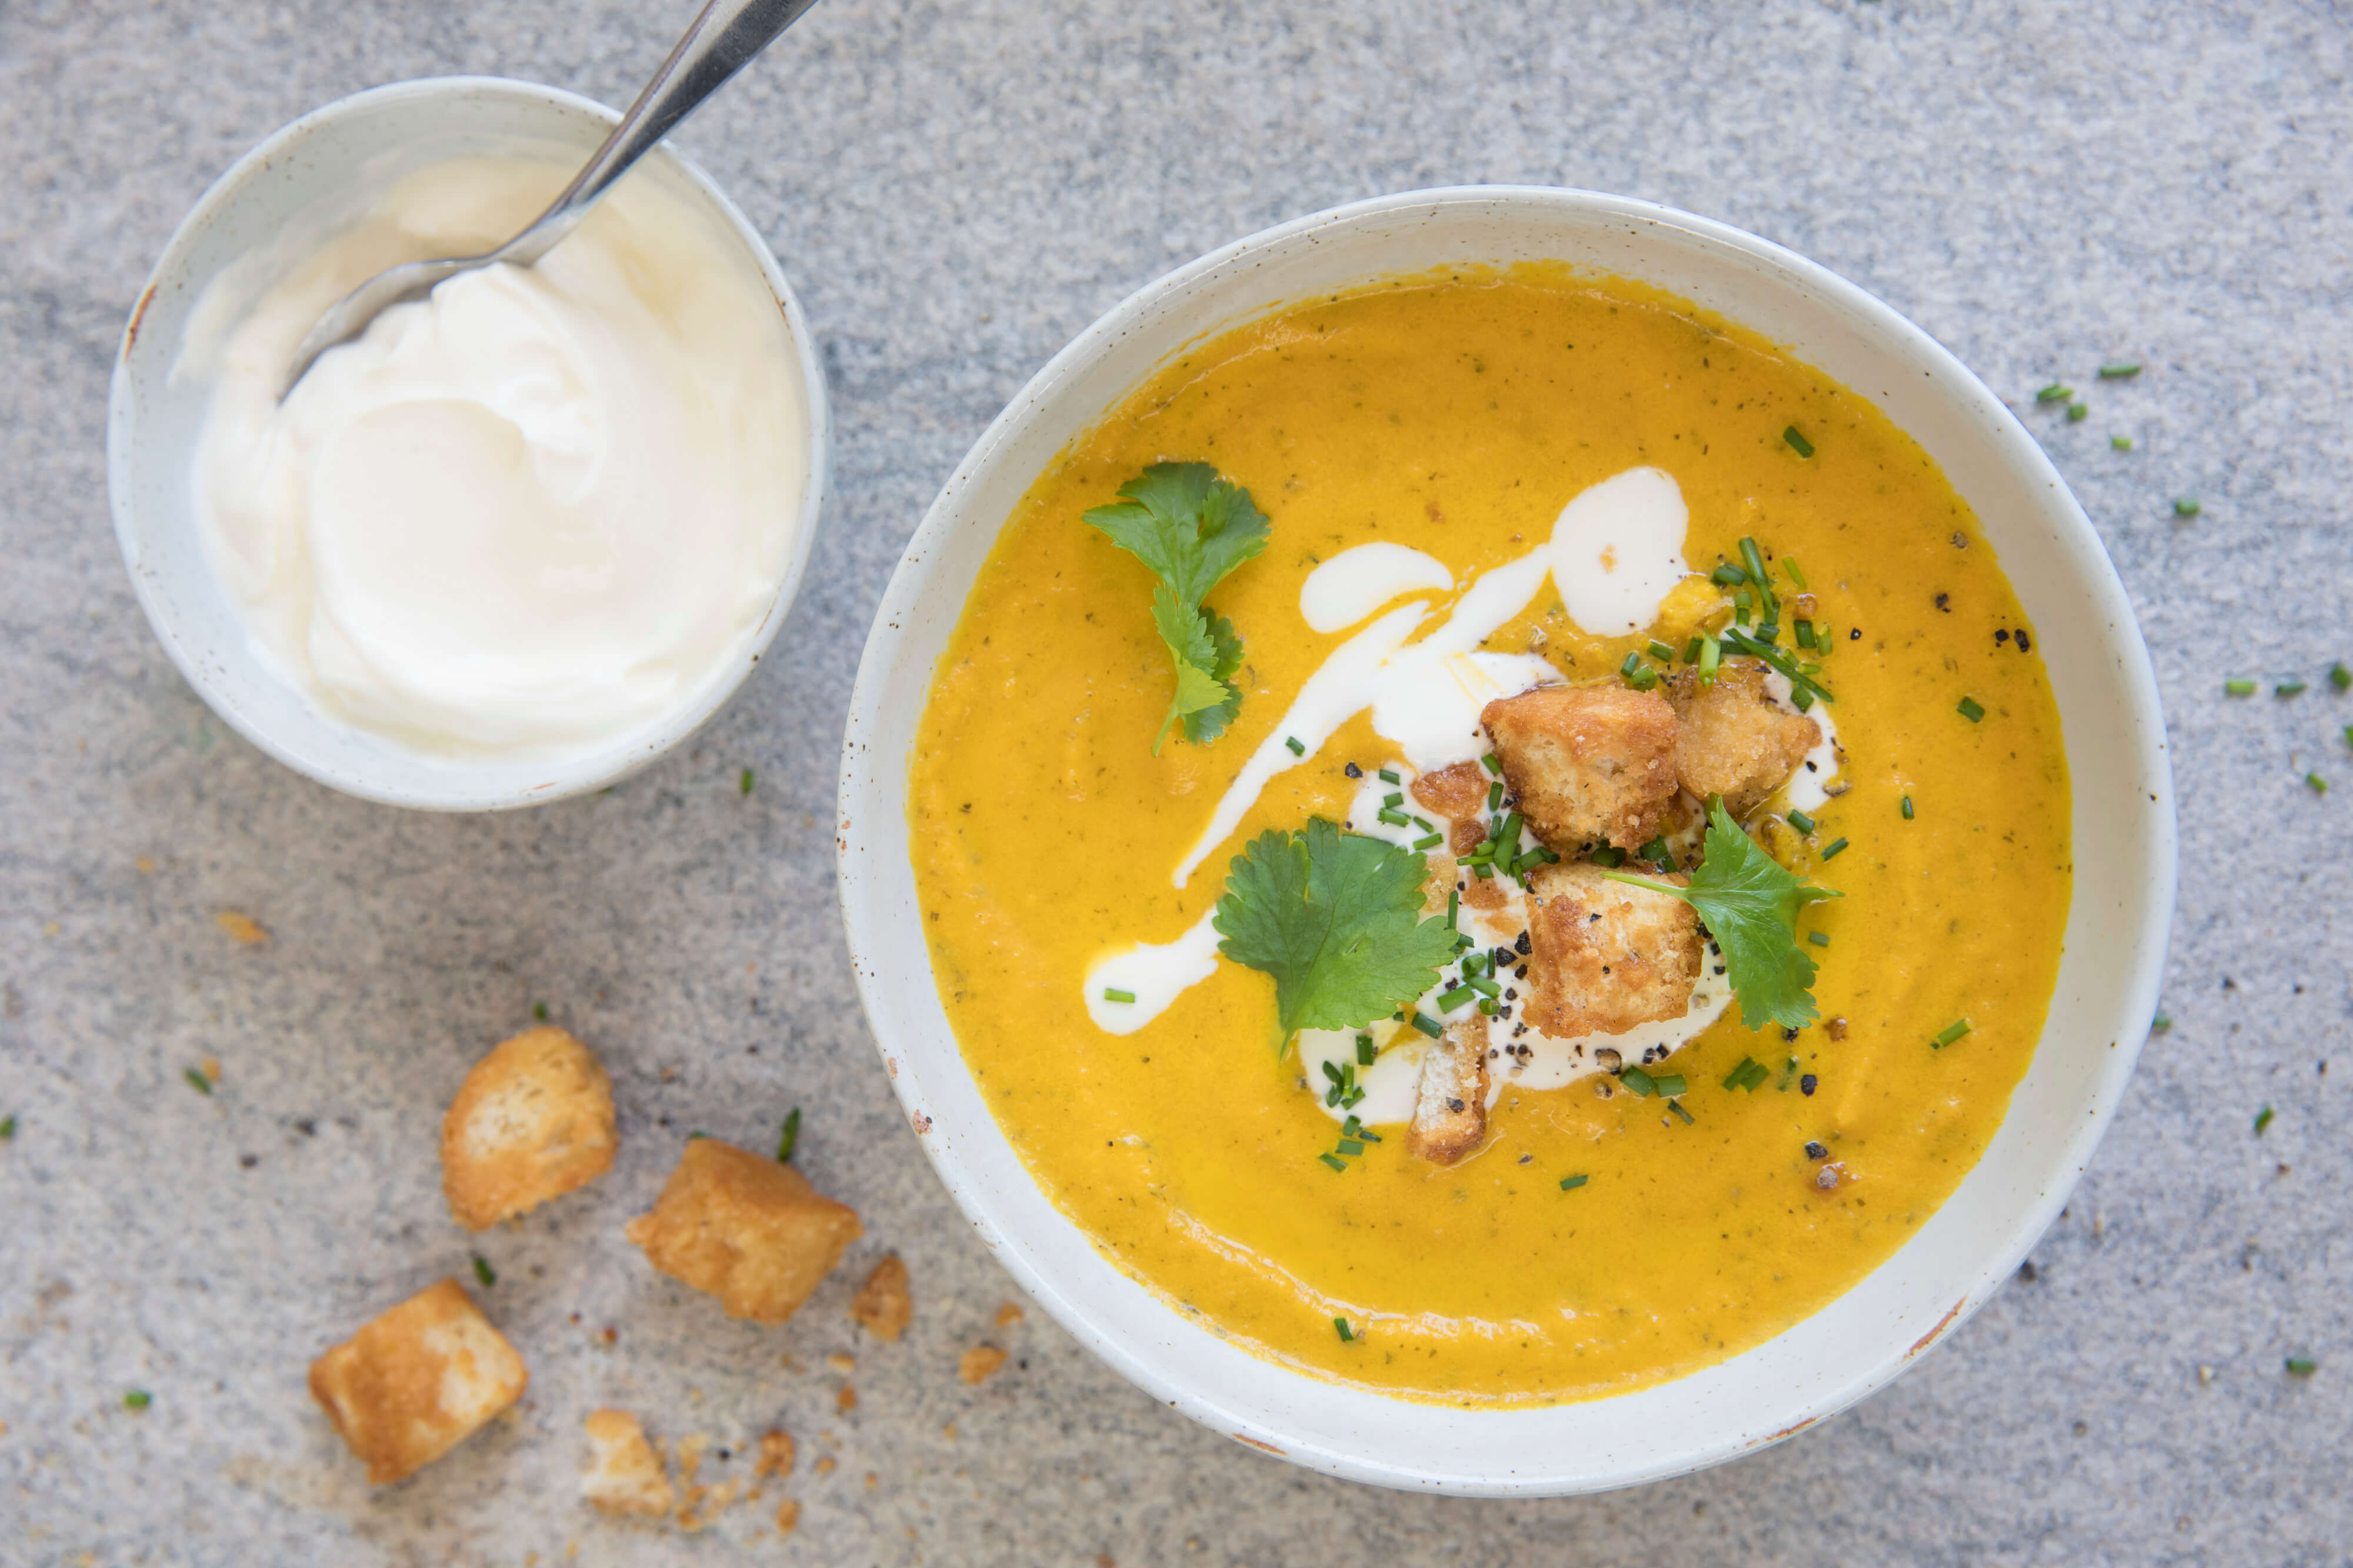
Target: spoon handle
point(721, 40)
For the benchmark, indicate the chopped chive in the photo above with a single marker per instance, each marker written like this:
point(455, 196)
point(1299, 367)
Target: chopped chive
point(1112, 993)
point(790, 1139)
point(198, 1082)
point(1298, 749)
point(2238, 689)
point(1635, 1079)
point(2121, 443)
point(484, 1272)
point(2289, 688)
point(1633, 662)
point(2077, 413)
point(1350, 1146)
point(1669, 1086)
point(1742, 605)
point(744, 785)
point(1496, 794)
point(1331, 1070)
point(1394, 799)
point(1832, 850)
point(1752, 560)
point(1711, 654)
point(2057, 391)
point(1491, 762)
point(1337, 1163)
point(1907, 808)
point(1971, 709)
point(1789, 1072)
point(1609, 855)
point(1727, 575)
point(1733, 1080)
point(2118, 371)
point(1643, 678)
point(1819, 938)
point(1346, 1336)
point(2262, 1120)
point(2348, 734)
point(2300, 1366)
point(1570, 1183)
point(1949, 1032)
point(539, 1011)
point(1677, 1107)
point(1691, 650)
point(2315, 783)
point(1429, 1025)
point(2339, 677)
point(1449, 1000)
point(1430, 842)
point(137, 1399)
point(1739, 641)
point(1789, 564)
point(1484, 987)
point(2160, 1024)
point(1801, 822)
point(1394, 818)
point(2187, 507)
point(1803, 630)
point(1757, 1073)
point(1364, 1053)
point(1797, 444)
point(1660, 650)
point(1425, 823)
point(7, 1128)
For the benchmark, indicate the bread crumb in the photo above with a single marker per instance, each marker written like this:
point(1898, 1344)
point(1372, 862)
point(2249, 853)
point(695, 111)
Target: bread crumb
point(704, 1504)
point(147, 867)
point(840, 1363)
point(532, 1120)
point(624, 1475)
point(244, 928)
point(1007, 1315)
point(789, 1517)
point(824, 1465)
point(872, 1480)
point(775, 1454)
point(846, 1399)
point(980, 1364)
point(416, 1380)
point(951, 1432)
point(884, 1308)
point(212, 1068)
point(745, 1229)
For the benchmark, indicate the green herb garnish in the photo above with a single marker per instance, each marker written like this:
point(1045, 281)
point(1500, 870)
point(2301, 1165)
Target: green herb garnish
point(2340, 678)
point(2187, 507)
point(198, 1082)
point(790, 1138)
point(2121, 443)
point(1907, 808)
point(744, 785)
point(1336, 919)
point(1570, 1183)
point(1749, 903)
point(1342, 1324)
point(1190, 527)
point(539, 1011)
point(2078, 412)
point(2057, 391)
point(137, 1399)
point(2316, 783)
point(484, 1272)
point(2118, 371)
point(1337, 1163)
point(1797, 444)
point(2300, 1365)
point(7, 1128)
point(2262, 1120)
point(1834, 848)
point(2238, 689)
point(2289, 688)
point(1971, 709)
point(1112, 993)
point(1949, 1032)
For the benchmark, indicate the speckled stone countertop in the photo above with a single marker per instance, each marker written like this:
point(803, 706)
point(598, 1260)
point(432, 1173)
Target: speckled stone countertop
point(957, 191)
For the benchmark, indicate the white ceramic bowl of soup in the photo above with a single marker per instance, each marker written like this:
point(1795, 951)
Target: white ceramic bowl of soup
point(328, 169)
point(2123, 828)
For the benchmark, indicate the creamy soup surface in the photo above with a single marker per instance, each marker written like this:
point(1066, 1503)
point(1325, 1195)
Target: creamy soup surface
point(1452, 419)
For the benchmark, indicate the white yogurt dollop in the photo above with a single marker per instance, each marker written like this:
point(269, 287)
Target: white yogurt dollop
point(530, 513)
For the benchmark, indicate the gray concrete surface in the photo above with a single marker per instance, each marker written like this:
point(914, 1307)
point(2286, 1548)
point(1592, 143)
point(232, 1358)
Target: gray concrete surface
point(957, 191)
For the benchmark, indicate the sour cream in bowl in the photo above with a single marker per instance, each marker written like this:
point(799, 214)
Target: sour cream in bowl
point(522, 536)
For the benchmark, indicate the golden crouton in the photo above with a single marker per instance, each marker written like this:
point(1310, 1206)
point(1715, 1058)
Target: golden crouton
point(1735, 740)
point(1607, 956)
point(1450, 1103)
point(747, 1229)
point(532, 1121)
point(979, 1364)
point(1458, 791)
point(884, 1308)
point(417, 1382)
point(624, 1474)
point(1586, 764)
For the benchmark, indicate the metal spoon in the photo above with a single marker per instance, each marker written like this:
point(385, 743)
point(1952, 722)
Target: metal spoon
point(721, 40)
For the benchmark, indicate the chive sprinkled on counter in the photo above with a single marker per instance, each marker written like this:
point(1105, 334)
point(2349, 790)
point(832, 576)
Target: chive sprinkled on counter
point(2121, 443)
point(1570, 1183)
point(1797, 443)
point(790, 1139)
point(539, 1011)
point(2118, 371)
point(198, 1082)
point(2057, 391)
point(744, 783)
point(484, 1272)
point(2078, 412)
point(1949, 1032)
point(1971, 709)
point(1112, 994)
point(2160, 1024)
point(2263, 1120)
point(2289, 688)
point(7, 1128)
point(2187, 506)
point(2238, 689)
point(137, 1399)
point(2300, 1365)
point(2316, 783)
point(2340, 678)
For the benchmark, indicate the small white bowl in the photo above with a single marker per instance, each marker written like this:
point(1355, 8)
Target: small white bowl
point(328, 166)
point(2122, 825)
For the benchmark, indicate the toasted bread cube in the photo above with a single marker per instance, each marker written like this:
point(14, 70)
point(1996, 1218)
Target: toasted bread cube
point(884, 1308)
point(1586, 764)
point(1450, 1103)
point(417, 1382)
point(1735, 740)
point(1607, 956)
point(532, 1121)
point(979, 1364)
point(747, 1229)
point(624, 1475)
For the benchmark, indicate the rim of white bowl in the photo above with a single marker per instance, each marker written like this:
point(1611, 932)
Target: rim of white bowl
point(564, 778)
point(1137, 1349)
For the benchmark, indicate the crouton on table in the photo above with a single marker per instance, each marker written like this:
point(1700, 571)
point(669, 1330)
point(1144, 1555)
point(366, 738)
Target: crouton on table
point(624, 1475)
point(1586, 764)
point(882, 1307)
point(744, 1228)
point(1606, 956)
point(532, 1121)
point(1449, 1104)
point(416, 1381)
point(1735, 740)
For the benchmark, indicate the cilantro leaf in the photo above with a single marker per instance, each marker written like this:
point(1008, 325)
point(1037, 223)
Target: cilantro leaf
point(1749, 903)
point(1335, 918)
point(1189, 528)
